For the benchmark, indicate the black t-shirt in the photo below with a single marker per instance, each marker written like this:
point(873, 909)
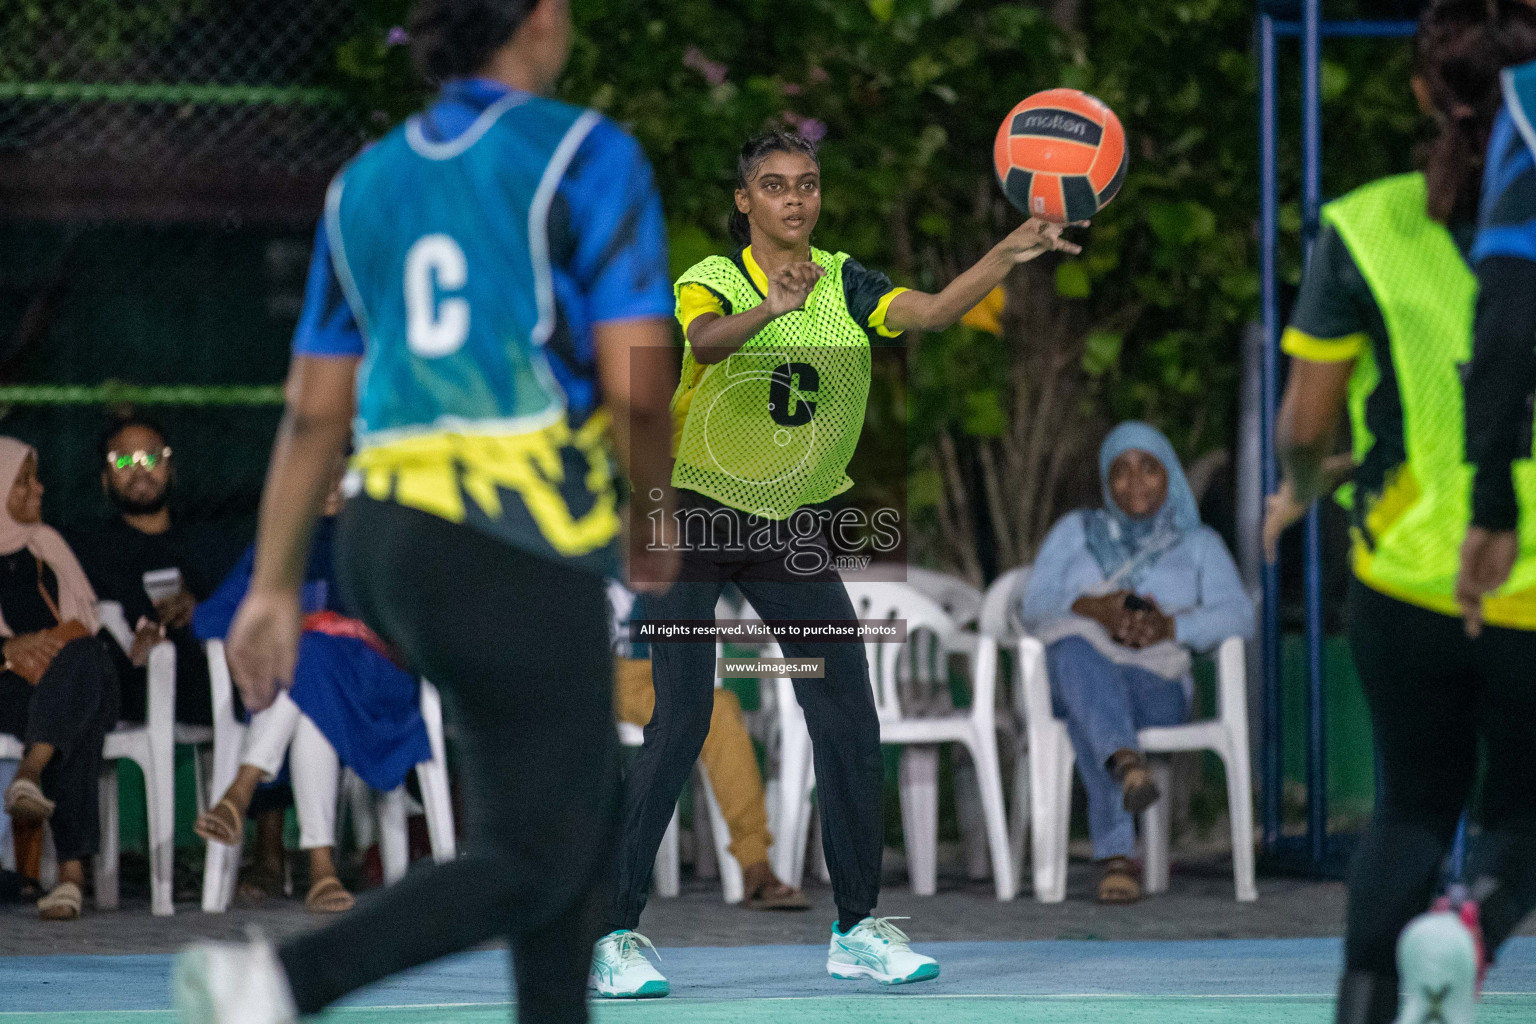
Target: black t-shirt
point(21, 602)
point(115, 557)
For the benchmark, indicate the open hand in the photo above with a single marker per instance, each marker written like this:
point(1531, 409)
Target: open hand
point(1281, 511)
point(791, 285)
point(1035, 237)
point(263, 645)
point(29, 655)
point(1487, 556)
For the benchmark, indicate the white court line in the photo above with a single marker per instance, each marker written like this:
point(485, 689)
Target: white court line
point(1048, 996)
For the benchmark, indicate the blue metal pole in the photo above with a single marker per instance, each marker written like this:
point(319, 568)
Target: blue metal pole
point(1269, 237)
point(1311, 202)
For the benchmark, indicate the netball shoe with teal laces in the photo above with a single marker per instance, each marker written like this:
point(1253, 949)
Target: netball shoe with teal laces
point(621, 971)
point(876, 948)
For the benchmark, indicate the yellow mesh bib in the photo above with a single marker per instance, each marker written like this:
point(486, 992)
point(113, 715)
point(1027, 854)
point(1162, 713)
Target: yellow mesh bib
point(774, 426)
point(1426, 294)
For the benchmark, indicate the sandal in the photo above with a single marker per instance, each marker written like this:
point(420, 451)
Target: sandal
point(221, 823)
point(24, 801)
point(329, 896)
point(63, 904)
point(768, 893)
point(1135, 778)
point(1119, 885)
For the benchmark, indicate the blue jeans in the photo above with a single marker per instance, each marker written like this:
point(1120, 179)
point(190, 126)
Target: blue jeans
point(1104, 704)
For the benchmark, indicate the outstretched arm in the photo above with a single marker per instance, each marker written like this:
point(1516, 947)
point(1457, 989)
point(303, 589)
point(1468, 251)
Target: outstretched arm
point(923, 311)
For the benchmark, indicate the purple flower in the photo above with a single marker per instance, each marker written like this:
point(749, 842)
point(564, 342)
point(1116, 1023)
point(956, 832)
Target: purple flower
point(713, 71)
point(397, 37)
point(809, 129)
point(792, 89)
point(818, 75)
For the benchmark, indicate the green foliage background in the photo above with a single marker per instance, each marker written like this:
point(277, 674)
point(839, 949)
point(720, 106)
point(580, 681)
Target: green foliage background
point(910, 93)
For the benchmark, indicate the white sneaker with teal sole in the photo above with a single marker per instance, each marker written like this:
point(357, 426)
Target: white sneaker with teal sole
point(1437, 965)
point(875, 948)
point(621, 971)
point(232, 983)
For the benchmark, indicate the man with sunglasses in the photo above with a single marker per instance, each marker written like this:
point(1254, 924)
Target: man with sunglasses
point(138, 476)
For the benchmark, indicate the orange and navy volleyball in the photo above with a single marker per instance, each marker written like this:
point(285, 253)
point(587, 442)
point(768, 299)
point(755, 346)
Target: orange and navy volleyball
point(1060, 155)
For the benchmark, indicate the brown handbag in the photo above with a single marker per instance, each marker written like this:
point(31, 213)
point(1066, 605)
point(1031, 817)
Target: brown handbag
point(65, 632)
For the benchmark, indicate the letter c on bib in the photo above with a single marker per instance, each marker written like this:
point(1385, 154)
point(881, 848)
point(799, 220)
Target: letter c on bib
point(436, 324)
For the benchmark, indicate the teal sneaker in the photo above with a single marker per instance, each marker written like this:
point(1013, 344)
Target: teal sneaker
point(621, 971)
point(875, 948)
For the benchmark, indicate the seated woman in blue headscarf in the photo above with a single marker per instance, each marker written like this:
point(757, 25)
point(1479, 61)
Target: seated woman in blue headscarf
point(1120, 596)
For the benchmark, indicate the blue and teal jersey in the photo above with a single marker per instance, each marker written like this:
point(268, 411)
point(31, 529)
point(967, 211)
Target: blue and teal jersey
point(466, 258)
point(1507, 206)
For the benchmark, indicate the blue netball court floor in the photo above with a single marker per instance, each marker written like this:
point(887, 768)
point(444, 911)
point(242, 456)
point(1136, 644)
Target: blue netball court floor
point(1253, 981)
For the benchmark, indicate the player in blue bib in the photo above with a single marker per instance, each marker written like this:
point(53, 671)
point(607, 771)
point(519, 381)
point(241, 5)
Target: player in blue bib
point(485, 280)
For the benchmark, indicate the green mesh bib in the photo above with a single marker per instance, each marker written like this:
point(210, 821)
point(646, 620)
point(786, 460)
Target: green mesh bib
point(1426, 293)
point(773, 427)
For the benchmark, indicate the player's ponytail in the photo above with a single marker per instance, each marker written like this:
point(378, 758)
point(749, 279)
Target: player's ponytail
point(753, 153)
point(455, 38)
point(1460, 48)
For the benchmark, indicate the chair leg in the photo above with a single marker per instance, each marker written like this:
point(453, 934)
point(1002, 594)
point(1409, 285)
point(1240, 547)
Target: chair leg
point(108, 852)
point(216, 865)
point(1157, 828)
point(732, 886)
point(989, 778)
point(200, 772)
point(667, 872)
point(1051, 761)
point(794, 796)
point(817, 845)
point(394, 841)
point(357, 800)
point(1240, 809)
point(919, 784)
point(1018, 822)
point(706, 867)
point(437, 801)
point(971, 818)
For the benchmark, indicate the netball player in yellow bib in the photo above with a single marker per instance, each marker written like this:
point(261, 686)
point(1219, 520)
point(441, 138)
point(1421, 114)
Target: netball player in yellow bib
point(775, 377)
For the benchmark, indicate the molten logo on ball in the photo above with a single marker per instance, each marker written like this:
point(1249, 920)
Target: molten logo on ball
point(1060, 155)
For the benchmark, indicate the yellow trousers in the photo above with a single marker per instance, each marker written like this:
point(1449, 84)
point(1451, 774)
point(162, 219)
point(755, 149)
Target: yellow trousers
point(728, 758)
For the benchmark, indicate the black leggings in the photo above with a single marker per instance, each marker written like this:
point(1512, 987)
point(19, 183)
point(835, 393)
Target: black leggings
point(72, 708)
point(1434, 694)
point(783, 581)
point(519, 647)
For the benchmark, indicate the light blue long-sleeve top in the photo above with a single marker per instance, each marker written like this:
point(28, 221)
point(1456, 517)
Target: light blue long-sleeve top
point(1195, 581)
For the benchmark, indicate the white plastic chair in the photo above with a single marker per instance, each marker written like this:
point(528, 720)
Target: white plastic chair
point(961, 601)
point(974, 728)
point(1051, 760)
point(152, 746)
point(221, 865)
point(999, 619)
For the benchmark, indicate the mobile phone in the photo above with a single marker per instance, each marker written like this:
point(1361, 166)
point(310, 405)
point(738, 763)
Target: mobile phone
point(160, 584)
point(1136, 604)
